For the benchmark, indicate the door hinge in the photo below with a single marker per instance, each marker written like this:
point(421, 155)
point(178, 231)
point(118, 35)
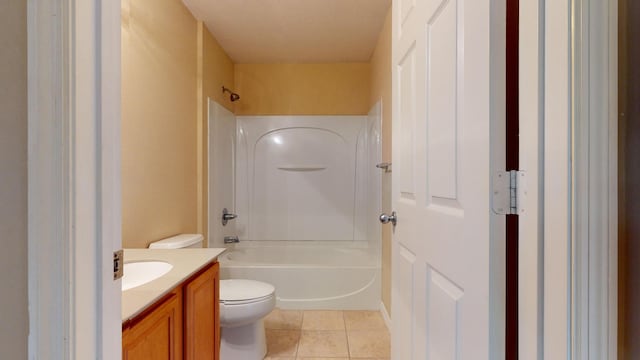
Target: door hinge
point(509, 192)
point(118, 267)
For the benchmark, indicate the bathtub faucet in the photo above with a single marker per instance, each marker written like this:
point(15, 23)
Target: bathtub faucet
point(226, 216)
point(231, 239)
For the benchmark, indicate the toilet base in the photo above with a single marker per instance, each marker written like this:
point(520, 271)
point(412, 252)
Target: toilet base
point(243, 343)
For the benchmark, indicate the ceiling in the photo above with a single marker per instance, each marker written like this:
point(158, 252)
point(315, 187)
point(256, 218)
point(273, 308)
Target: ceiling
point(293, 31)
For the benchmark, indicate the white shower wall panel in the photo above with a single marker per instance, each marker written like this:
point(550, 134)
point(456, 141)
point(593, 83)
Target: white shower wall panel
point(221, 146)
point(296, 177)
point(369, 178)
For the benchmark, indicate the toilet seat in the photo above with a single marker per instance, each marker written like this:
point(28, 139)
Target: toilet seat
point(238, 313)
point(244, 302)
point(242, 291)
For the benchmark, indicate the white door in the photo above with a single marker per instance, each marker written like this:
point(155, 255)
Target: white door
point(447, 287)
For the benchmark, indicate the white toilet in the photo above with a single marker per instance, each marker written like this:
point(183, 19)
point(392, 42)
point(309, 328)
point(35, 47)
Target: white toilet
point(243, 306)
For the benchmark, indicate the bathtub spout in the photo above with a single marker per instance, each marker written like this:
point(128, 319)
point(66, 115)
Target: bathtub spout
point(231, 239)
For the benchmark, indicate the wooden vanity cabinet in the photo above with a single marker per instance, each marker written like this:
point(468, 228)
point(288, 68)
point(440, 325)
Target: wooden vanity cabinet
point(183, 325)
point(158, 334)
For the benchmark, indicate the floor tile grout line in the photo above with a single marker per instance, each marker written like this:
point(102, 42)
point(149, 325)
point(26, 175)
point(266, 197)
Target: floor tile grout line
point(344, 322)
point(295, 353)
point(300, 335)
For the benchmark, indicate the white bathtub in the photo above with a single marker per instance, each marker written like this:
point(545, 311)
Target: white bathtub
point(309, 277)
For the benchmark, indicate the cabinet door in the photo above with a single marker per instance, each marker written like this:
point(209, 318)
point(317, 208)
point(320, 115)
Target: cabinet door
point(158, 335)
point(202, 322)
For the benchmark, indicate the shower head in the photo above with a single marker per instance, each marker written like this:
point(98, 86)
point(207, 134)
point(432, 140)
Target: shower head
point(233, 96)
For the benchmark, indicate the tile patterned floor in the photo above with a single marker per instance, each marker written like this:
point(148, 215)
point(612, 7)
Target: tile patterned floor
point(326, 335)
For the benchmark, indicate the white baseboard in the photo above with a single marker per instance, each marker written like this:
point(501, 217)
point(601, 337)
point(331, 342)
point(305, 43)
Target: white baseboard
point(385, 316)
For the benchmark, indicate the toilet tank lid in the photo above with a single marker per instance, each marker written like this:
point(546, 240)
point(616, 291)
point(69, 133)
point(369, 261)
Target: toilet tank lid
point(177, 242)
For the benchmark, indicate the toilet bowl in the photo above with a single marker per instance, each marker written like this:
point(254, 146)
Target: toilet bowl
point(243, 306)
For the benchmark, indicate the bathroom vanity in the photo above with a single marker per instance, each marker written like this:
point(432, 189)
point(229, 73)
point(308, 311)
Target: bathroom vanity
point(175, 316)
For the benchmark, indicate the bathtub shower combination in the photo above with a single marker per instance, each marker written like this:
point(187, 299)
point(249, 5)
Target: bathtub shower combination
point(307, 193)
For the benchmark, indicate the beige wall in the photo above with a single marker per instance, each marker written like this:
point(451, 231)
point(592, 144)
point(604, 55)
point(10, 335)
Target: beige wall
point(303, 89)
point(218, 70)
point(381, 89)
point(13, 180)
point(215, 69)
point(159, 121)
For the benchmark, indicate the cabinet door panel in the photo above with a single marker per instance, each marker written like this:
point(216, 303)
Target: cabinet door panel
point(158, 335)
point(201, 323)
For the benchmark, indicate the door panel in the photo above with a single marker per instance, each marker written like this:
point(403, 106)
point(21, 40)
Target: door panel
point(406, 7)
point(404, 292)
point(407, 95)
point(441, 102)
point(443, 299)
point(445, 240)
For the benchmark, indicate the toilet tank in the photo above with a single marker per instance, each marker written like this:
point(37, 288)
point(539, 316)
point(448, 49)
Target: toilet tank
point(181, 241)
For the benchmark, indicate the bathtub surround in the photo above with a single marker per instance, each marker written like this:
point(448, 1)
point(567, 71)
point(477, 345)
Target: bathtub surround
point(301, 177)
point(221, 161)
point(13, 180)
point(308, 194)
point(369, 180)
point(215, 68)
point(381, 91)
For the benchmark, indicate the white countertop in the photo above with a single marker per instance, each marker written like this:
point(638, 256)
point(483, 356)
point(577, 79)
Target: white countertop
point(186, 262)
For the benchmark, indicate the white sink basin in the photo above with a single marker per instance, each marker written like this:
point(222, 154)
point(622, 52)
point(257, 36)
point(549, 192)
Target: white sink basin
point(142, 272)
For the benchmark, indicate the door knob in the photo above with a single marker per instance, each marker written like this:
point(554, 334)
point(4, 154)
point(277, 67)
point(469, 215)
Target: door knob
point(385, 219)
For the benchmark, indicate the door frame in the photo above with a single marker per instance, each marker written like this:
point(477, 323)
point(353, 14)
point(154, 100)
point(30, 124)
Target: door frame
point(545, 156)
point(531, 225)
point(568, 248)
point(594, 306)
point(556, 178)
point(74, 200)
